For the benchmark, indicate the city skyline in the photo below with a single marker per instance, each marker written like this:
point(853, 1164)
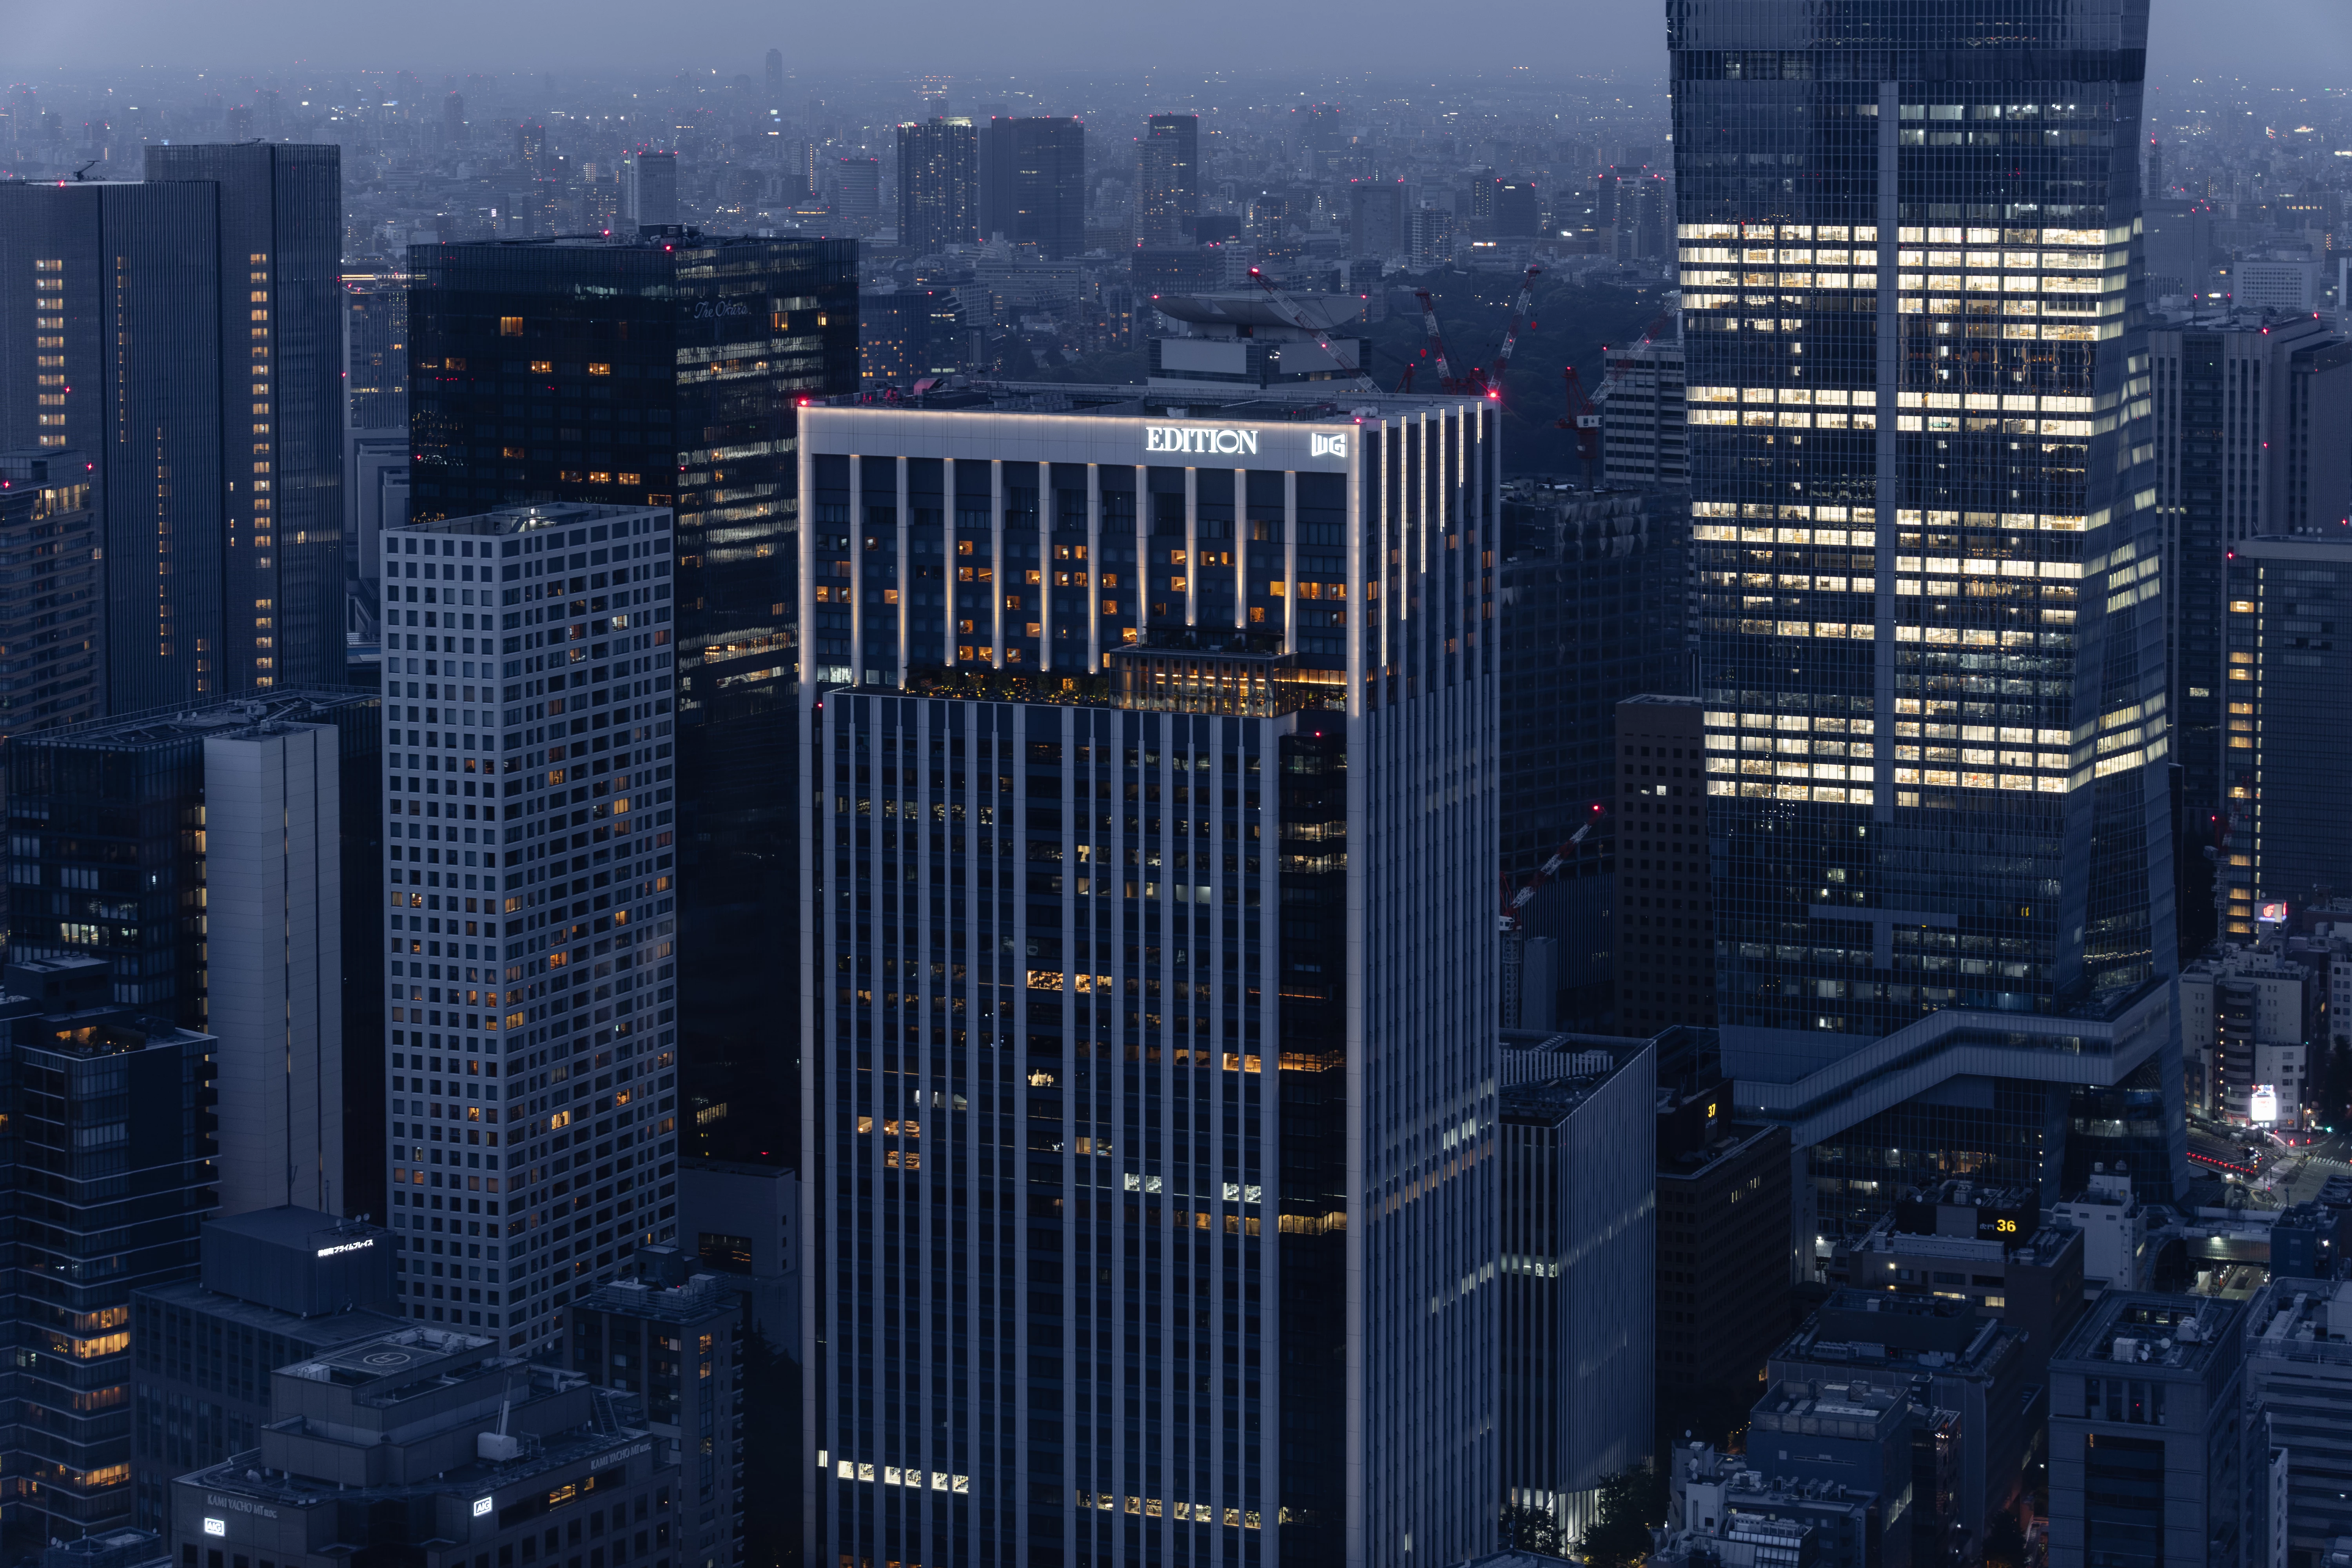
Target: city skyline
point(1069, 788)
point(1054, 34)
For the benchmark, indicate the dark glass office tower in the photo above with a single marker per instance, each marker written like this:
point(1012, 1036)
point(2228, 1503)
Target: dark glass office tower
point(1932, 651)
point(52, 664)
point(2250, 415)
point(280, 363)
point(65, 383)
point(377, 350)
point(106, 1165)
point(1593, 609)
point(1168, 179)
point(664, 372)
point(1033, 183)
point(2290, 596)
point(938, 184)
point(185, 332)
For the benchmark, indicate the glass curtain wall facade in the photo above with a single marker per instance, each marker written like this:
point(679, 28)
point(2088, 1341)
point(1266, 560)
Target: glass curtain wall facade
point(1148, 982)
point(939, 184)
point(281, 321)
point(666, 372)
point(1033, 183)
point(2291, 838)
point(52, 626)
point(63, 386)
point(1168, 180)
point(1932, 645)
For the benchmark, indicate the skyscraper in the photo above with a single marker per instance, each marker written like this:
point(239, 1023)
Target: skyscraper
point(1148, 944)
point(1593, 593)
point(1931, 652)
point(1168, 179)
point(1033, 183)
point(857, 194)
point(1643, 436)
point(105, 1118)
point(537, 1021)
point(136, 328)
point(375, 354)
point(938, 184)
point(50, 633)
point(2289, 804)
point(621, 341)
point(2252, 413)
point(775, 76)
point(259, 813)
point(280, 325)
point(649, 189)
point(1579, 1228)
point(1662, 945)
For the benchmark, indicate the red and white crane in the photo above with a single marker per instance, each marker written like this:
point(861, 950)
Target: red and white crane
point(1436, 350)
point(1663, 320)
point(1523, 317)
point(1584, 419)
point(1516, 900)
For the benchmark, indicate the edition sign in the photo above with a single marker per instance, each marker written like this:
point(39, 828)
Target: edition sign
point(1179, 439)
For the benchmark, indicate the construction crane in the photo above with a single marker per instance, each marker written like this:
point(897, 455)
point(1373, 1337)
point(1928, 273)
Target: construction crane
point(1436, 350)
point(1583, 418)
point(1659, 324)
point(1515, 900)
point(1523, 315)
point(1290, 311)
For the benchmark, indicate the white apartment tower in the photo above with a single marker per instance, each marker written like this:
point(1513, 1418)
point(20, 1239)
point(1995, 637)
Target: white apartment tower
point(530, 874)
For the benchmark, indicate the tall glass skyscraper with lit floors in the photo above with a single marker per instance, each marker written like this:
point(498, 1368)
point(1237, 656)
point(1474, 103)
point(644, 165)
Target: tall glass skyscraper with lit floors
point(1932, 645)
point(1150, 983)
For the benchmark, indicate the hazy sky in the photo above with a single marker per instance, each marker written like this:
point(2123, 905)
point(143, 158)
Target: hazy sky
point(2303, 41)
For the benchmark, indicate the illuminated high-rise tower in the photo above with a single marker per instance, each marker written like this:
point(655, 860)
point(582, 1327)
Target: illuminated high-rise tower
point(1932, 653)
point(1149, 1138)
point(938, 184)
point(1168, 179)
